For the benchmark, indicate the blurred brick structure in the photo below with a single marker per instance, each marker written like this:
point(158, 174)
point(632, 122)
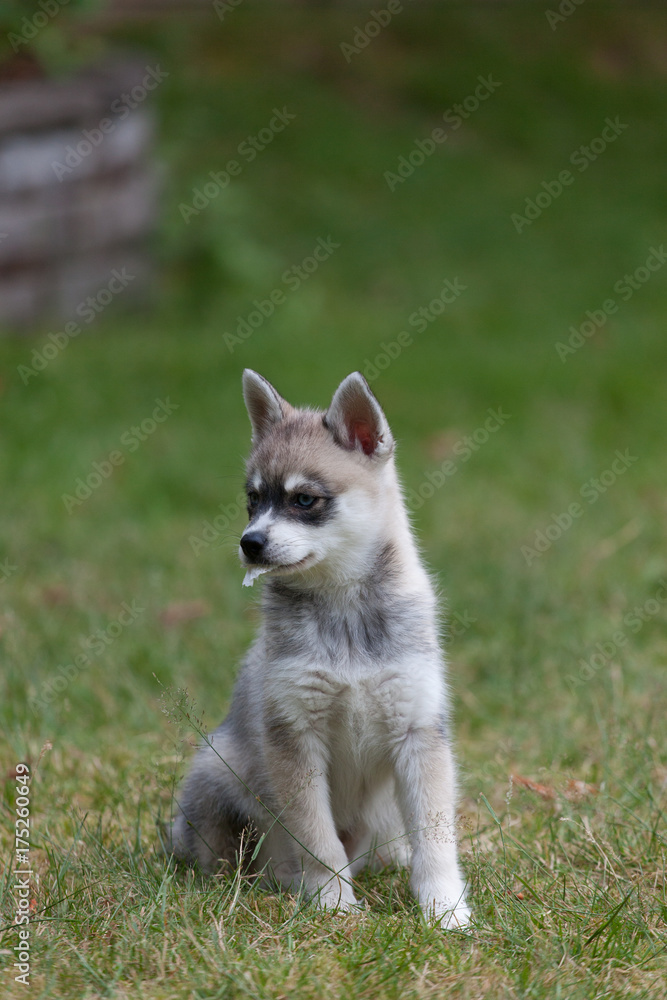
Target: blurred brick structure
point(78, 189)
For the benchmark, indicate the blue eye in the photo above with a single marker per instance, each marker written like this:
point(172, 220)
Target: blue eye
point(253, 498)
point(305, 500)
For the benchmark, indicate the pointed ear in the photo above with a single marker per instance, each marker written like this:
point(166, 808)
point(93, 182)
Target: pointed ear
point(356, 420)
point(265, 406)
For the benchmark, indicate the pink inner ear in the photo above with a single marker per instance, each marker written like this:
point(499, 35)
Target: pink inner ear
point(360, 430)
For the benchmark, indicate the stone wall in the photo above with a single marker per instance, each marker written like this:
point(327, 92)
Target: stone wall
point(78, 189)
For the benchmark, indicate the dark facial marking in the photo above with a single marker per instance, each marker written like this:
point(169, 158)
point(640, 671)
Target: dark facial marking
point(313, 502)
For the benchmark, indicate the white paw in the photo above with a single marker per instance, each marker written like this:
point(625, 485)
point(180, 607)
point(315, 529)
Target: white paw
point(447, 909)
point(447, 919)
point(335, 895)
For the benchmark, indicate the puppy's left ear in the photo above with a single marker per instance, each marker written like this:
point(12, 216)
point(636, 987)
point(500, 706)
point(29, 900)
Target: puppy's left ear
point(356, 420)
point(265, 406)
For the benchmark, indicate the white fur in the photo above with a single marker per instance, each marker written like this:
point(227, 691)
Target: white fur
point(351, 742)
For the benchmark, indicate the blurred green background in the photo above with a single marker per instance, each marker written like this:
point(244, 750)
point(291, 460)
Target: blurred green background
point(515, 267)
point(527, 622)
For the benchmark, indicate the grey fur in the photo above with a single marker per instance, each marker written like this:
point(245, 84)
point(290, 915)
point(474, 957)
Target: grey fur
point(374, 623)
point(336, 748)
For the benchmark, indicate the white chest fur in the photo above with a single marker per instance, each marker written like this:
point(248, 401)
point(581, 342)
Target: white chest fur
point(359, 704)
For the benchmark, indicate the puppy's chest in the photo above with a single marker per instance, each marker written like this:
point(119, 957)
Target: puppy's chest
point(356, 707)
point(353, 669)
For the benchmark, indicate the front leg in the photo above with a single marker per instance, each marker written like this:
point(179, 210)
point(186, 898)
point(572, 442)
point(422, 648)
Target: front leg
point(297, 766)
point(424, 770)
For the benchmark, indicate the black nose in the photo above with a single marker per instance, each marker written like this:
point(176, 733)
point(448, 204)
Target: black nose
point(252, 544)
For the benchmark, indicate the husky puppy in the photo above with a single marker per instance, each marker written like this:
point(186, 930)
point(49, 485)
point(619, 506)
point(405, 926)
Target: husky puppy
point(337, 747)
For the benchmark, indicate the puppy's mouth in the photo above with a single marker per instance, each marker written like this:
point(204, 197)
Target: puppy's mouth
point(256, 570)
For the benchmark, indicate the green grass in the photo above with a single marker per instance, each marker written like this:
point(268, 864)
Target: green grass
point(567, 890)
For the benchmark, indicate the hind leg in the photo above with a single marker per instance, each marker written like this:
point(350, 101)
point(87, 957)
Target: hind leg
point(277, 861)
point(211, 812)
point(206, 834)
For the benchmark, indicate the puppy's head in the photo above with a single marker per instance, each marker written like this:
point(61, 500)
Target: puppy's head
point(316, 482)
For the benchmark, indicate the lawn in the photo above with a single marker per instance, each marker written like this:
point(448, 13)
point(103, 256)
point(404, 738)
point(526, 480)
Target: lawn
point(505, 295)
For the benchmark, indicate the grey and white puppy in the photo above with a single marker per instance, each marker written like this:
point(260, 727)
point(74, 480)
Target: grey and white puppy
point(337, 747)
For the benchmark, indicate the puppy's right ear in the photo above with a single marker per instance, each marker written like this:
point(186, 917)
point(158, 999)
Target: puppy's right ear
point(356, 420)
point(265, 406)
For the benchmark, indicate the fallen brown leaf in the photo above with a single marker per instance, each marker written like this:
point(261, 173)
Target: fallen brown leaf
point(441, 444)
point(576, 790)
point(180, 612)
point(545, 791)
point(57, 594)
